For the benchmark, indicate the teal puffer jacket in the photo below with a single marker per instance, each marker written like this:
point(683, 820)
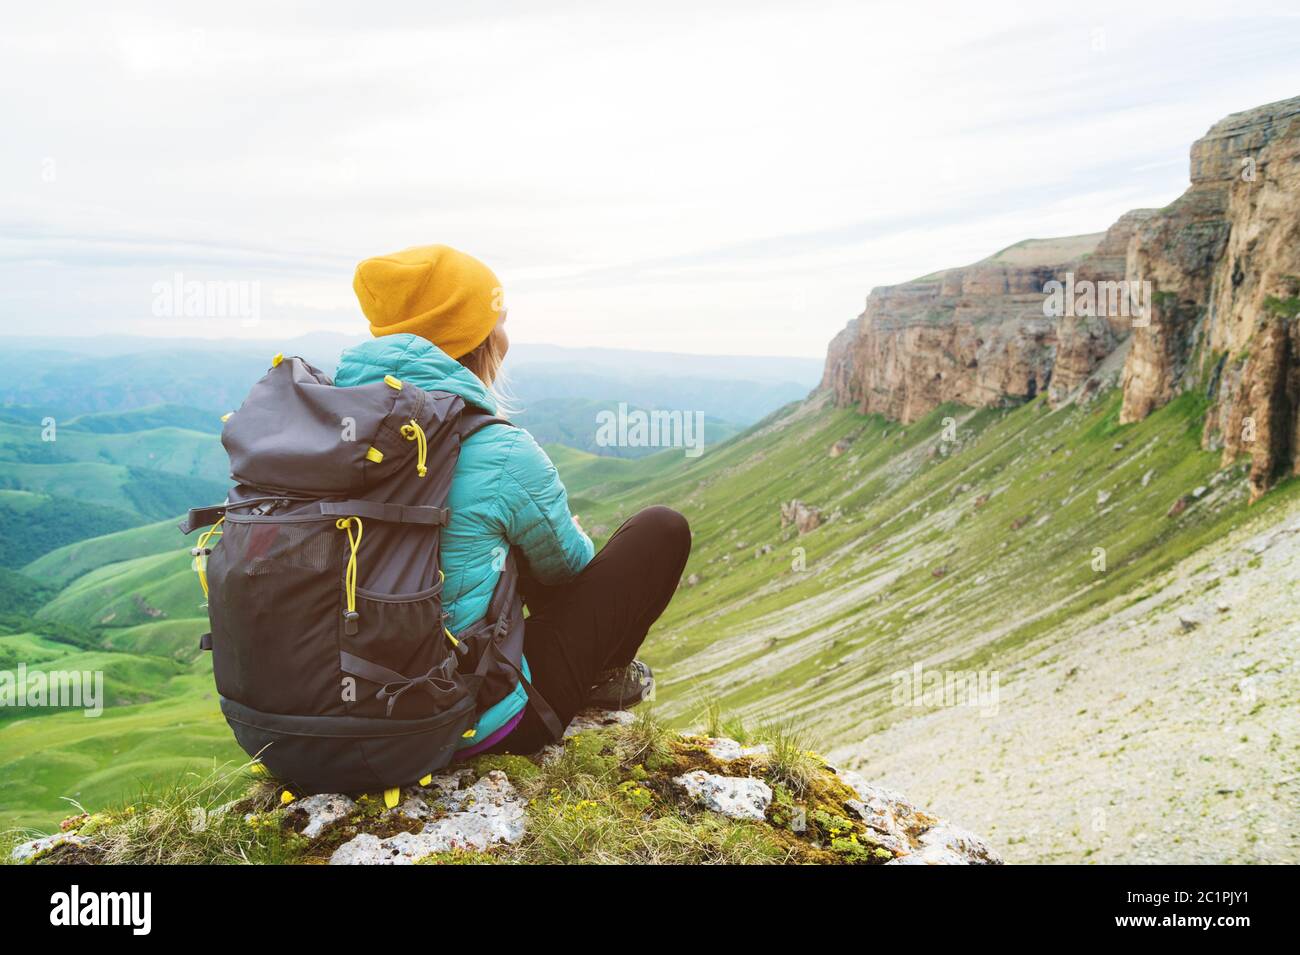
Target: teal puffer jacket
point(505, 491)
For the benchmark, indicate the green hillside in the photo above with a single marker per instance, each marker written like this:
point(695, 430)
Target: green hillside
point(71, 561)
point(84, 484)
point(589, 477)
point(145, 419)
point(20, 594)
point(129, 592)
point(128, 678)
point(573, 423)
point(147, 494)
point(45, 761)
point(967, 552)
point(33, 523)
point(175, 450)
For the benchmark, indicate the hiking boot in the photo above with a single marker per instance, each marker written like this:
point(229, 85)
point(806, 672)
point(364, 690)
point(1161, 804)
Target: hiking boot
point(623, 688)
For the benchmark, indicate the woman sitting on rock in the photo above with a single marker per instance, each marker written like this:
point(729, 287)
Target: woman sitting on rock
point(440, 324)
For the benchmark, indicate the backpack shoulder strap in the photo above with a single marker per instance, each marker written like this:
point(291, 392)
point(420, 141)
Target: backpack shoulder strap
point(474, 419)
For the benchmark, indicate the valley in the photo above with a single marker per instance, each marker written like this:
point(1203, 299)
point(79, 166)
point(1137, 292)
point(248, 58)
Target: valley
point(1101, 517)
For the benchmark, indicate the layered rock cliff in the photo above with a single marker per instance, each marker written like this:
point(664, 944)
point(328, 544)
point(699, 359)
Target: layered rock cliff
point(1215, 288)
point(979, 335)
point(1224, 260)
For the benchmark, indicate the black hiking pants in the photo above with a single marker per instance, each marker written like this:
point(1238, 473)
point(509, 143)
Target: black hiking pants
point(596, 621)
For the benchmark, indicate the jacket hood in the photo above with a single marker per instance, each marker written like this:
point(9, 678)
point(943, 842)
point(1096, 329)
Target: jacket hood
point(412, 359)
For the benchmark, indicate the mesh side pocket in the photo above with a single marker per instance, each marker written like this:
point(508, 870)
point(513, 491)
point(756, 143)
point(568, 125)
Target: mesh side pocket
point(276, 593)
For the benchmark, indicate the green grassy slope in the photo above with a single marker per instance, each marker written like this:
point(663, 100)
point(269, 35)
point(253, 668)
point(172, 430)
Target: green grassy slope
point(71, 561)
point(962, 552)
point(144, 419)
point(33, 523)
point(572, 422)
point(172, 449)
point(49, 759)
point(129, 592)
point(144, 475)
point(590, 478)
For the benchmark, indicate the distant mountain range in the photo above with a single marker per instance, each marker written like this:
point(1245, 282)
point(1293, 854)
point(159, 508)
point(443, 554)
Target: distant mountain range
point(559, 391)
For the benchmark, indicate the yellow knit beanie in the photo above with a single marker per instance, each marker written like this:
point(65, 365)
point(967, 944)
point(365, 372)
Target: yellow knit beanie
point(433, 291)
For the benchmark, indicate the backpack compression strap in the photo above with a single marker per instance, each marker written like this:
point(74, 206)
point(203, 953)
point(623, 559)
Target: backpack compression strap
point(474, 419)
point(508, 609)
point(503, 615)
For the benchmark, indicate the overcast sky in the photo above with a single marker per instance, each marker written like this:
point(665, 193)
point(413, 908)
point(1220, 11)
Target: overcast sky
point(699, 177)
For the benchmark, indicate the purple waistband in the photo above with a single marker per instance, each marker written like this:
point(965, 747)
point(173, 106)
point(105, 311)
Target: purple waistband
point(491, 741)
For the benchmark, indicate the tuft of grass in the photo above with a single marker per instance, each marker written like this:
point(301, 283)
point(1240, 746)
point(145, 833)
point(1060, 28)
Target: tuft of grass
point(792, 758)
point(647, 741)
point(614, 828)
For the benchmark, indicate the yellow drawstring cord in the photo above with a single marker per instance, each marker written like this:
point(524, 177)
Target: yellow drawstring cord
point(413, 432)
point(350, 576)
point(201, 558)
point(450, 636)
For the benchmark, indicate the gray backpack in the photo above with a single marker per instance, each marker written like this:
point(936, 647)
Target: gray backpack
point(332, 657)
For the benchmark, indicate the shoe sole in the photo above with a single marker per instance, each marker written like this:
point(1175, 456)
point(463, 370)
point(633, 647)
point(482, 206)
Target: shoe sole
point(626, 702)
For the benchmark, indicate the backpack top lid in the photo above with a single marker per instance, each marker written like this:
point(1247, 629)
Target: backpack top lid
point(297, 431)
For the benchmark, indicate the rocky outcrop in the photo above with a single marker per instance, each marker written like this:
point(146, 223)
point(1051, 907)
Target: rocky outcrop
point(1214, 279)
point(1224, 260)
point(471, 819)
point(1084, 341)
point(803, 516)
point(612, 790)
point(979, 336)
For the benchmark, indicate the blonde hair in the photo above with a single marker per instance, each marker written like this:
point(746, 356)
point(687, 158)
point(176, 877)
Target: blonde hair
point(485, 362)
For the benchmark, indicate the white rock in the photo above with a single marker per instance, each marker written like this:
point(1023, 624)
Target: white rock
point(28, 851)
point(893, 817)
point(884, 810)
point(450, 782)
point(488, 813)
point(412, 807)
point(493, 790)
point(738, 797)
point(321, 810)
point(947, 845)
point(723, 749)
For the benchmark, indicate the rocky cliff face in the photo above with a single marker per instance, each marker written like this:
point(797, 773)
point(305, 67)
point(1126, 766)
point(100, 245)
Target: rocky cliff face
point(976, 335)
point(1085, 341)
point(1224, 260)
point(1216, 275)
